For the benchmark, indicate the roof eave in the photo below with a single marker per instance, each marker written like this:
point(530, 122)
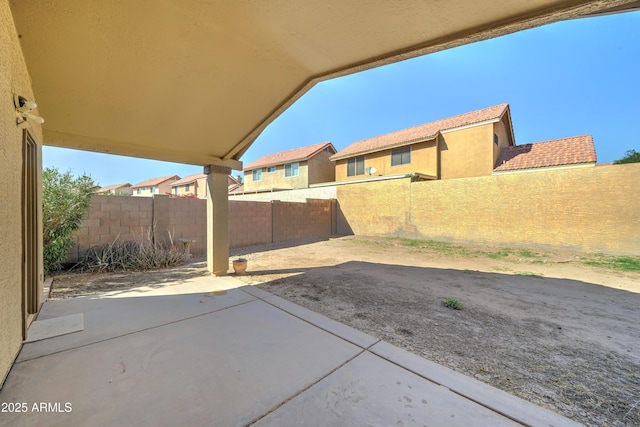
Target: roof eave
point(266, 165)
point(544, 168)
point(386, 147)
point(301, 159)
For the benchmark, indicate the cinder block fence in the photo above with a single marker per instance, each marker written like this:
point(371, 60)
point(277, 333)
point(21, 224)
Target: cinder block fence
point(170, 219)
point(593, 209)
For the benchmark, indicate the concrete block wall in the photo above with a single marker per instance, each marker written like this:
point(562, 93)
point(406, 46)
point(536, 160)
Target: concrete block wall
point(375, 208)
point(593, 209)
point(297, 220)
point(250, 223)
point(178, 218)
point(110, 218)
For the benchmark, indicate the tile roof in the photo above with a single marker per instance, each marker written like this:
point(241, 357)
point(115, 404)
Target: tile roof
point(236, 188)
point(558, 152)
point(112, 187)
point(154, 181)
point(419, 133)
point(289, 156)
point(231, 180)
point(188, 179)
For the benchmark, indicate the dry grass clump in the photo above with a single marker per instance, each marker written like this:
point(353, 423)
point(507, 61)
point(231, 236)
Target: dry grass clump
point(145, 253)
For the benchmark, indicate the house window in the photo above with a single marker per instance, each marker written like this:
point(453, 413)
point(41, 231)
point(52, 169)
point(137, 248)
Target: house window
point(495, 139)
point(257, 175)
point(186, 188)
point(271, 169)
point(355, 166)
point(292, 169)
point(401, 156)
point(154, 190)
point(138, 191)
point(175, 190)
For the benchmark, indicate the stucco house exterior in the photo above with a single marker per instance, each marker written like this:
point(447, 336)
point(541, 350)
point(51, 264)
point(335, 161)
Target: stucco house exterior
point(116, 190)
point(562, 153)
point(151, 186)
point(462, 146)
point(291, 169)
point(190, 186)
point(196, 186)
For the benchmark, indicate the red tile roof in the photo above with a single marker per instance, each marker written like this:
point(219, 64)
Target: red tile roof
point(236, 188)
point(151, 182)
point(420, 133)
point(113, 187)
point(188, 179)
point(231, 180)
point(558, 152)
point(289, 156)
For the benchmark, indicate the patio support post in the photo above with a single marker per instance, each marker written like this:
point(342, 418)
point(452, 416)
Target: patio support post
point(217, 219)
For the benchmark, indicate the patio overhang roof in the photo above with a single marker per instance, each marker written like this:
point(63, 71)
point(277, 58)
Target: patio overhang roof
point(196, 82)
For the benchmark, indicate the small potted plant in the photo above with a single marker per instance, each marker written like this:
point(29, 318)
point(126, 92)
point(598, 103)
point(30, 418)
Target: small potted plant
point(239, 266)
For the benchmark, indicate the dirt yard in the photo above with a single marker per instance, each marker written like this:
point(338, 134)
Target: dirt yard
point(540, 325)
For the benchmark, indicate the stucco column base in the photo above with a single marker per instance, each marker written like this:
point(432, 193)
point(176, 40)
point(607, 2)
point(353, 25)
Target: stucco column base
point(218, 221)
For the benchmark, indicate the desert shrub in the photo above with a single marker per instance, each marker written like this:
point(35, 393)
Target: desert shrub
point(65, 201)
point(140, 254)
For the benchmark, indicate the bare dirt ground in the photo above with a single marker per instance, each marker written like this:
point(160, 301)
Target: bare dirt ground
point(540, 325)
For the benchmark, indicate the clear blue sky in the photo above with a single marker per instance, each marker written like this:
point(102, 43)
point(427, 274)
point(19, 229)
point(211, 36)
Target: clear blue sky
point(564, 79)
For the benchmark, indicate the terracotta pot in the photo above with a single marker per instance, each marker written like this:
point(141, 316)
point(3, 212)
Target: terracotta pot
point(239, 266)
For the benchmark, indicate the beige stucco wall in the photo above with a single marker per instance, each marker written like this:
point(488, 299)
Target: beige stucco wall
point(14, 79)
point(459, 153)
point(277, 179)
point(466, 152)
point(504, 138)
point(197, 188)
point(423, 159)
point(321, 169)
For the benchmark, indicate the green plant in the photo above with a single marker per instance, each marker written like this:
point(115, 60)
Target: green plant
point(624, 263)
point(631, 156)
point(65, 202)
point(453, 303)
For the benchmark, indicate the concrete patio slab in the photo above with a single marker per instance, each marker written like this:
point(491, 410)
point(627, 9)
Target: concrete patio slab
point(492, 398)
point(106, 318)
point(369, 391)
point(55, 327)
point(223, 368)
point(217, 355)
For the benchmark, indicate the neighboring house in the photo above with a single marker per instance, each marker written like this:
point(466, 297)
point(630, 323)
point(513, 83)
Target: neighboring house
point(196, 186)
point(235, 184)
point(151, 186)
point(577, 151)
point(190, 186)
point(456, 147)
point(116, 190)
point(292, 169)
